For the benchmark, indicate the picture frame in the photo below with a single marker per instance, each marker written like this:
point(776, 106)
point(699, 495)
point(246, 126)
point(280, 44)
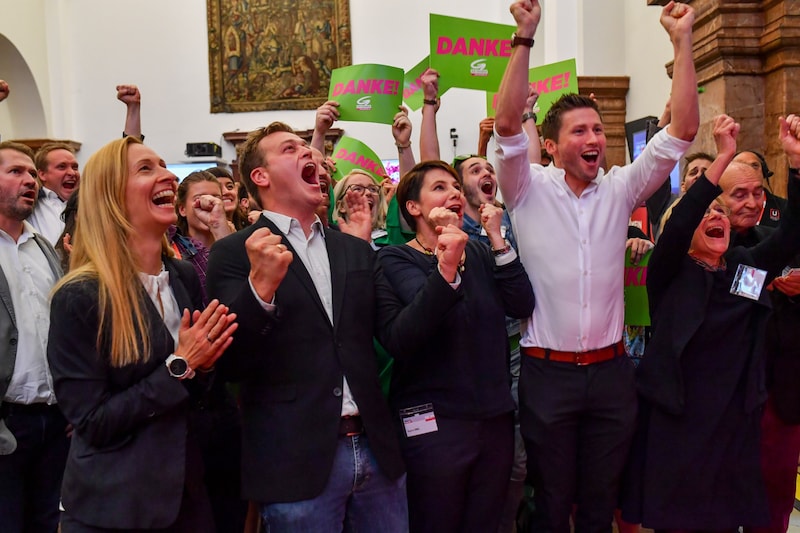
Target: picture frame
point(275, 54)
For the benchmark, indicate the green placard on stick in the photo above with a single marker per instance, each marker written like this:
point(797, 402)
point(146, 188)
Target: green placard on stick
point(469, 53)
point(367, 93)
point(550, 81)
point(350, 153)
point(637, 307)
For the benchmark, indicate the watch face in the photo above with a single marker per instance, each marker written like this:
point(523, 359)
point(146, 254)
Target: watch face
point(178, 367)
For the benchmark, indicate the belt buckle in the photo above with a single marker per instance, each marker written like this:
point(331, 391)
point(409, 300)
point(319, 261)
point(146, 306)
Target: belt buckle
point(579, 359)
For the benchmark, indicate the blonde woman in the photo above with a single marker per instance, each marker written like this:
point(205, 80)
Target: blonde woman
point(127, 335)
point(361, 182)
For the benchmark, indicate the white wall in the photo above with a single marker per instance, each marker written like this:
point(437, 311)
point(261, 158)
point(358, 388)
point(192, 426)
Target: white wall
point(79, 50)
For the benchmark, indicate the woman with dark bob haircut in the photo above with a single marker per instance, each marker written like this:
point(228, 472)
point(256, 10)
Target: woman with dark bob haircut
point(451, 393)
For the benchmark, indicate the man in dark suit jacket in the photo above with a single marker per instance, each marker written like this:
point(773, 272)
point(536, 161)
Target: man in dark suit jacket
point(33, 440)
point(319, 448)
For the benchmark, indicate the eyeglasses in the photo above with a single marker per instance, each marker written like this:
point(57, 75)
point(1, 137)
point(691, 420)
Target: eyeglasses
point(361, 189)
point(717, 209)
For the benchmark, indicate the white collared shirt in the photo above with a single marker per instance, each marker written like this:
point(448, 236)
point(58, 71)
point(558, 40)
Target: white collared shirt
point(573, 248)
point(313, 253)
point(46, 216)
point(30, 280)
point(160, 292)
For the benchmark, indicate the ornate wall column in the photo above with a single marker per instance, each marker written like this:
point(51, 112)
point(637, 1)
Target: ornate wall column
point(610, 92)
point(747, 55)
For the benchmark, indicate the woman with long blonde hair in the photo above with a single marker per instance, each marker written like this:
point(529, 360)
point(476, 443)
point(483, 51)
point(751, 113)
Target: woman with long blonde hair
point(127, 335)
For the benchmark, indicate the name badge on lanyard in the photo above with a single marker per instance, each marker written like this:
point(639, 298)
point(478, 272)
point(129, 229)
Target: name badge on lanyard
point(748, 282)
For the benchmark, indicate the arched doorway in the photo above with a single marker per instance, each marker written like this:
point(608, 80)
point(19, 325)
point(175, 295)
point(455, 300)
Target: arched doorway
point(22, 114)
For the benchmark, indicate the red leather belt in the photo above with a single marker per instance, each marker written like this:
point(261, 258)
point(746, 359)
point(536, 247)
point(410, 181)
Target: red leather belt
point(350, 426)
point(577, 358)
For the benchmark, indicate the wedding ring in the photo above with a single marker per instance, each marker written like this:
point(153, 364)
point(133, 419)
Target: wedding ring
point(209, 339)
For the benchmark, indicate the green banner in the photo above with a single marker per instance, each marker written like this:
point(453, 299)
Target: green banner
point(367, 93)
point(637, 309)
point(469, 53)
point(550, 81)
point(350, 153)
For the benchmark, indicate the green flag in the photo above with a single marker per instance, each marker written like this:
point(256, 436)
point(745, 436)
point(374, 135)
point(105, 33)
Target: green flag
point(350, 153)
point(637, 310)
point(550, 81)
point(469, 53)
point(367, 93)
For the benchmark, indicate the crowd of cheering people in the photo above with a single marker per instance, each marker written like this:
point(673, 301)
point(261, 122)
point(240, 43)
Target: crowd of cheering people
point(291, 353)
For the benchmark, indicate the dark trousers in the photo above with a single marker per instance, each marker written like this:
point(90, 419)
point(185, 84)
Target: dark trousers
point(577, 422)
point(30, 478)
point(458, 476)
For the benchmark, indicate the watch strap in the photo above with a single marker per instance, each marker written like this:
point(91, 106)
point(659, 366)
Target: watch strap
point(516, 40)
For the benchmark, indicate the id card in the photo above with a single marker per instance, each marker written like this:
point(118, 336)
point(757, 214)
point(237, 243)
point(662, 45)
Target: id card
point(748, 282)
point(419, 420)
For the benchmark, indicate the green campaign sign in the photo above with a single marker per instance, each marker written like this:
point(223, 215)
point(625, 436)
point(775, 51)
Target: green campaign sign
point(413, 91)
point(350, 153)
point(550, 81)
point(637, 307)
point(469, 53)
point(367, 93)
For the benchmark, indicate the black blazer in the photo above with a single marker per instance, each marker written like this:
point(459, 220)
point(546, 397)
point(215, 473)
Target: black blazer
point(291, 362)
point(127, 461)
point(679, 290)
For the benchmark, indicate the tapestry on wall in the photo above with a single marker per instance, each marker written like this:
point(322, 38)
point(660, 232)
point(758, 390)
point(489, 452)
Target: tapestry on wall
point(275, 54)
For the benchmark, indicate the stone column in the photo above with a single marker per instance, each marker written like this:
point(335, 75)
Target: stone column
point(747, 55)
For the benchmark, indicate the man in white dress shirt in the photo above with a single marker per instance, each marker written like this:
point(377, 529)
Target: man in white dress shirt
point(577, 394)
point(33, 439)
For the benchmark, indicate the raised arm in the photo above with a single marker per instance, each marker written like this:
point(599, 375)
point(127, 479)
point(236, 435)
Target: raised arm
point(529, 125)
point(326, 115)
point(428, 137)
point(513, 90)
point(401, 131)
point(132, 98)
point(677, 19)
point(725, 132)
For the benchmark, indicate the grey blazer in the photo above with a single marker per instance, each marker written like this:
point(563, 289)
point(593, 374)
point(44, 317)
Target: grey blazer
point(9, 336)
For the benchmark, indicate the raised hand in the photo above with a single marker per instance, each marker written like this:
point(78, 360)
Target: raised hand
point(725, 132)
point(269, 261)
point(677, 18)
point(441, 216)
point(527, 14)
point(359, 216)
point(491, 218)
point(790, 138)
point(449, 250)
point(210, 210)
point(129, 94)
point(401, 127)
point(327, 114)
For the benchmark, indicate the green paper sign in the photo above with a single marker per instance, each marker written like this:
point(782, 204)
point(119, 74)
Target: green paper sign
point(413, 92)
point(637, 307)
point(367, 93)
point(550, 81)
point(469, 53)
point(350, 153)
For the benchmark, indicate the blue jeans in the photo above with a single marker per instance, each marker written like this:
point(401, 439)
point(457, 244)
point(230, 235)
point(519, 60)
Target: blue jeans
point(357, 497)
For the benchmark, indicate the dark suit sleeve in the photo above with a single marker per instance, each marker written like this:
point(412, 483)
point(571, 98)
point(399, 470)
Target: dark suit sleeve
point(227, 280)
point(515, 288)
point(673, 245)
point(102, 413)
point(777, 250)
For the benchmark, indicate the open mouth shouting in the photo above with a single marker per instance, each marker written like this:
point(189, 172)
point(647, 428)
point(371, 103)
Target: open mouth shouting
point(309, 174)
point(591, 156)
point(487, 186)
point(715, 232)
point(69, 184)
point(165, 199)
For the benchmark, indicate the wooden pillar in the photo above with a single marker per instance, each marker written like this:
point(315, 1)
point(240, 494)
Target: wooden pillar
point(747, 55)
point(611, 93)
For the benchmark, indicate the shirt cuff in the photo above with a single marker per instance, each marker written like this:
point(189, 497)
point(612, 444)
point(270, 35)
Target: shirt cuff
point(268, 307)
point(457, 283)
point(506, 258)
